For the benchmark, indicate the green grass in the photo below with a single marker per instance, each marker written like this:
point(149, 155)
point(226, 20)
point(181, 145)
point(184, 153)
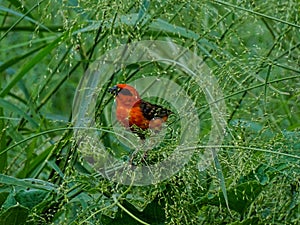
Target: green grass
point(250, 47)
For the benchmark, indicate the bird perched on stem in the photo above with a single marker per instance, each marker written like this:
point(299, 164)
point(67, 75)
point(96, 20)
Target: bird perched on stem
point(135, 113)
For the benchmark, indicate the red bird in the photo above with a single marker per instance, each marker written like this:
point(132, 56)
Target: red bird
point(135, 113)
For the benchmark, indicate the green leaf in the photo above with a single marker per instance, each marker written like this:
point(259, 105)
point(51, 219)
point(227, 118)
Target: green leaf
point(244, 194)
point(21, 16)
point(33, 62)
point(8, 106)
point(27, 183)
point(18, 58)
point(19, 5)
point(30, 198)
point(239, 197)
point(3, 196)
point(248, 221)
point(3, 157)
point(143, 11)
point(9, 201)
point(221, 179)
point(15, 215)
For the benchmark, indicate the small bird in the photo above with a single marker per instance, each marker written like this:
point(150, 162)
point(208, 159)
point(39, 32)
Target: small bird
point(135, 113)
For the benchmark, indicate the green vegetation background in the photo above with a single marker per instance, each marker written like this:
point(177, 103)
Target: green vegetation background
point(251, 47)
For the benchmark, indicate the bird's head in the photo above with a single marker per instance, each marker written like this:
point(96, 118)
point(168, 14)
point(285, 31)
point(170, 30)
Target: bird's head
point(125, 94)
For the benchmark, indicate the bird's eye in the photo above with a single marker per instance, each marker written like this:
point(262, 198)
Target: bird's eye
point(125, 92)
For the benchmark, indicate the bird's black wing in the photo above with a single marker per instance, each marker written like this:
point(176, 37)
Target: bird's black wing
point(151, 111)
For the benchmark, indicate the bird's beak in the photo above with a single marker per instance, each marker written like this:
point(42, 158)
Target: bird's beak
point(114, 90)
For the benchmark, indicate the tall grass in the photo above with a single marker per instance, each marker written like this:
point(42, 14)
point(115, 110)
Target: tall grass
point(251, 48)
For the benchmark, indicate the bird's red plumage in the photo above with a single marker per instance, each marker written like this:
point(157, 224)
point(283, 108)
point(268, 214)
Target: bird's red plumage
point(135, 113)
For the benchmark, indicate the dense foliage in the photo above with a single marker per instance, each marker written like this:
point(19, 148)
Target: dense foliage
point(252, 50)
